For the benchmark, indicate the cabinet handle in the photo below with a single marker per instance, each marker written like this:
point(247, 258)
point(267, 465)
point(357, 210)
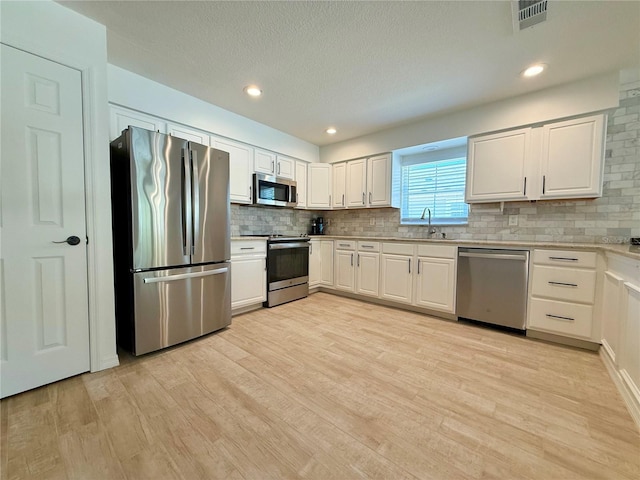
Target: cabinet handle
point(344, 244)
point(369, 198)
point(418, 266)
point(297, 197)
point(363, 197)
point(366, 246)
point(310, 248)
point(560, 318)
point(409, 265)
point(544, 182)
point(563, 284)
point(564, 259)
point(247, 248)
point(343, 199)
point(273, 166)
point(525, 186)
point(352, 259)
point(278, 168)
point(358, 260)
point(329, 199)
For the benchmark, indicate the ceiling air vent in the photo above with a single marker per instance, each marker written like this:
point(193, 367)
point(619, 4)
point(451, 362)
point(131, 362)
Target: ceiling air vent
point(527, 13)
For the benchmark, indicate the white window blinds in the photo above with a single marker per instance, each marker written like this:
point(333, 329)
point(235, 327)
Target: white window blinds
point(438, 186)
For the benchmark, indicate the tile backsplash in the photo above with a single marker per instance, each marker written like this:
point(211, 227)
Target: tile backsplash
point(613, 218)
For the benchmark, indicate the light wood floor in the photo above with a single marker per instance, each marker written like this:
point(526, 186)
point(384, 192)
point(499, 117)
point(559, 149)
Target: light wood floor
point(330, 388)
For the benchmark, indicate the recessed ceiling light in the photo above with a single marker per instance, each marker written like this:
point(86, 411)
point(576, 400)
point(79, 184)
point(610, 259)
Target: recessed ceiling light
point(331, 131)
point(252, 91)
point(534, 70)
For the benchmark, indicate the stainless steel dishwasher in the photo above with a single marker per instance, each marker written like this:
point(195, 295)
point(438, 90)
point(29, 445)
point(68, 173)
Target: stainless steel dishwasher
point(492, 286)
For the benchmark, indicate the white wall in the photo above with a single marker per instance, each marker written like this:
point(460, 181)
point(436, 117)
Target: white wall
point(133, 91)
point(57, 33)
point(585, 96)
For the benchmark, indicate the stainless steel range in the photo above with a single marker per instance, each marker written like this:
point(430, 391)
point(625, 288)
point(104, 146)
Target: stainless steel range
point(287, 269)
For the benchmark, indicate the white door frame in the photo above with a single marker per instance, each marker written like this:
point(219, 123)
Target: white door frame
point(103, 353)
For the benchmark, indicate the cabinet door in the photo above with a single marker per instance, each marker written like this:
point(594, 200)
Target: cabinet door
point(379, 181)
point(186, 133)
point(301, 183)
point(248, 281)
point(326, 252)
point(264, 162)
point(356, 183)
point(396, 277)
point(240, 168)
point(285, 167)
point(630, 352)
point(572, 158)
point(319, 195)
point(611, 313)
point(436, 283)
point(121, 118)
point(368, 273)
point(315, 263)
point(497, 167)
point(339, 185)
point(344, 273)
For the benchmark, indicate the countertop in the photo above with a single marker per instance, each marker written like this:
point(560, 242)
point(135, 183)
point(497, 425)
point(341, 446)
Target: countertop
point(619, 249)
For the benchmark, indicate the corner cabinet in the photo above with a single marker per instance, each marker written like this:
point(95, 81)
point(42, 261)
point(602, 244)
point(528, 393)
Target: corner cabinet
point(240, 168)
point(363, 182)
point(554, 161)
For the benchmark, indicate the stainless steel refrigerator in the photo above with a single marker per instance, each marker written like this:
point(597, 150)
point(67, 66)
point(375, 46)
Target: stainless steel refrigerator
point(171, 239)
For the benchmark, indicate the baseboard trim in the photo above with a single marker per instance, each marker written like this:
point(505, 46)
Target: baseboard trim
point(571, 342)
point(108, 362)
point(628, 391)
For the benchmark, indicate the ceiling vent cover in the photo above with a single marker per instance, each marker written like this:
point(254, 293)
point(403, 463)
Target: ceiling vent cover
point(527, 13)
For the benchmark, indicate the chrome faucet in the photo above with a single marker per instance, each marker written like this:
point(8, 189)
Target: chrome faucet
point(431, 230)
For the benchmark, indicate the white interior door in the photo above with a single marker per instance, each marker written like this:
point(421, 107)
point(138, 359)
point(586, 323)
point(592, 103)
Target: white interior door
point(44, 316)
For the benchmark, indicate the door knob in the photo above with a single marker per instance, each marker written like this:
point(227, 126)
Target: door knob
point(72, 240)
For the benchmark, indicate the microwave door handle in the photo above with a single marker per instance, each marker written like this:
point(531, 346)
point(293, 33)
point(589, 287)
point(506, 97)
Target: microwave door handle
point(186, 207)
point(195, 201)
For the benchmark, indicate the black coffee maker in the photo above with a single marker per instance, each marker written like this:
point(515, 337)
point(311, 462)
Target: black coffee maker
point(317, 226)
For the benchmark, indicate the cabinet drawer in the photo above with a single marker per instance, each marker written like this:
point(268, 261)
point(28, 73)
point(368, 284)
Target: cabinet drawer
point(398, 248)
point(369, 246)
point(573, 285)
point(565, 318)
point(345, 244)
point(248, 247)
point(565, 258)
point(438, 251)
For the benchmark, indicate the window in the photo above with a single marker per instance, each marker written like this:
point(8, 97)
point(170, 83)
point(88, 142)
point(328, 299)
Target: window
point(434, 183)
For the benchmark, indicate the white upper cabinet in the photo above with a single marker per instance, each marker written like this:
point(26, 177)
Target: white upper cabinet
point(187, 133)
point(554, 161)
point(264, 162)
point(356, 183)
point(572, 158)
point(379, 181)
point(301, 183)
point(285, 167)
point(497, 166)
point(240, 168)
point(121, 118)
point(319, 185)
point(339, 189)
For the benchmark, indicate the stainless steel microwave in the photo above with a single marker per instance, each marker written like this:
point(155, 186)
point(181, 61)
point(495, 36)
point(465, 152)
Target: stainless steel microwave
point(274, 191)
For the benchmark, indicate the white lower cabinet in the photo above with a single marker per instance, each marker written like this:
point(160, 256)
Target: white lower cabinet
point(621, 328)
point(435, 277)
point(344, 270)
point(315, 263)
point(367, 272)
point(248, 273)
point(357, 266)
point(396, 275)
point(326, 255)
point(563, 294)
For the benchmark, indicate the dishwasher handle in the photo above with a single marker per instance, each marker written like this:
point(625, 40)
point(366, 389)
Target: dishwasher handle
point(494, 256)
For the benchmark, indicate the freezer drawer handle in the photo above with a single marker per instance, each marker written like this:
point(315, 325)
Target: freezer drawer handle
point(183, 276)
point(563, 284)
point(497, 256)
point(560, 317)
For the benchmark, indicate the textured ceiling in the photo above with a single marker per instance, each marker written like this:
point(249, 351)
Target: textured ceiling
point(360, 66)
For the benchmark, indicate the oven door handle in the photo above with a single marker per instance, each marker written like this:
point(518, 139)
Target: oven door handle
point(282, 246)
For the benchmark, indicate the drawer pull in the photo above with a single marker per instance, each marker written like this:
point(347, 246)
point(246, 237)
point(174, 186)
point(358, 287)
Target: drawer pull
point(564, 259)
point(366, 246)
point(344, 244)
point(563, 284)
point(247, 248)
point(560, 318)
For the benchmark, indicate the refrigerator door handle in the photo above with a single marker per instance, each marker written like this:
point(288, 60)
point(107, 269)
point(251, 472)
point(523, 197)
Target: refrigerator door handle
point(187, 241)
point(195, 201)
point(182, 276)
